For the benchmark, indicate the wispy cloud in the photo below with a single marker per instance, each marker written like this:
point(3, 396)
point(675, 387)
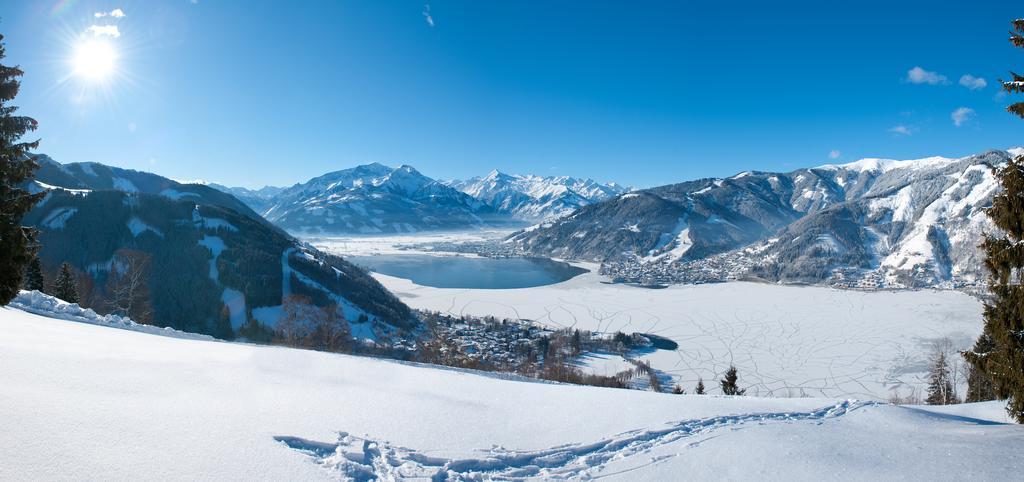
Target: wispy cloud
point(917, 75)
point(962, 115)
point(834, 154)
point(903, 130)
point(104, 30)
point(116, 13)
point(972, 82)
point(427, 16)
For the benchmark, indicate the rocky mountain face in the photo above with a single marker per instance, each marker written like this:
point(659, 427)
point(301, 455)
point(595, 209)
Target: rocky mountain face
point(205, 266)
point(535, 198)
point(375, 199)
point(873, 223)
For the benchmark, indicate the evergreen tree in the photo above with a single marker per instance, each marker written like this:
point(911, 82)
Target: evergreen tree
point(1016, 85)
point(979, 385)
point(729, 386)
point(678, 390)
point(65, 287)
point(1004, 258)
point(34, 275)
point(1004, 319)
point(940, 387)
point(16, 167)
point(700, 386)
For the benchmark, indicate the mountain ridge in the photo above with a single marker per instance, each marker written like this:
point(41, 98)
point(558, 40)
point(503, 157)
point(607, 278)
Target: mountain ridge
point(896, 223)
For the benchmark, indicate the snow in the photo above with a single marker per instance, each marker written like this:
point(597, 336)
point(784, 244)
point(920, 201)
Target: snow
point(138, 226)
point(92, 402)
point(678, 243)
point(234, 300)
point(177, 195)
point(399, 244)
point(58, 217)
point(268, 315)
point(216, 246)
point(787, 341)
point(211, 223)
point(42, 186)
point(885, 165)
point(605, 364)
point(48, 306)
point(122, 184)
point(87, 168)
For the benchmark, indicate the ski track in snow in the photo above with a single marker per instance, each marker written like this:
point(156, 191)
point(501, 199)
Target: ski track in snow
point(363, 459)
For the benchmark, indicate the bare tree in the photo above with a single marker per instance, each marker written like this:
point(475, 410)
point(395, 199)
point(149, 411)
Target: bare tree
point(294, 327)
point(330, 331)
point(128, 285)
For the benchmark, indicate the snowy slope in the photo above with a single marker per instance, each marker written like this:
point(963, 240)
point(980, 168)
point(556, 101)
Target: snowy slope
point(536, 198)
point(90, 402)
point(905, 223)
point(209, 269)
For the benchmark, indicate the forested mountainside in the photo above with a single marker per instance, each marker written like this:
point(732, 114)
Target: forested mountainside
point(195, 265)
point(95, 176)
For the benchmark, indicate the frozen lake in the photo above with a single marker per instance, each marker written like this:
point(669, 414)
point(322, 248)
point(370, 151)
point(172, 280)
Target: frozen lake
point(469, 272)
point(786, 341)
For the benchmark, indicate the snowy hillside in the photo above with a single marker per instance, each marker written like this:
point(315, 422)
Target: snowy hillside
point(100, 403)
point(535, 198)
point(873, 222)
point(204, 267)
point(374, 199)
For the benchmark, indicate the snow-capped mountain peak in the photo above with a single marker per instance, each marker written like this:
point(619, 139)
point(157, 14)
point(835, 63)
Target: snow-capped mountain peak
point(374, 198)
point(536, 198)
point(885, 165)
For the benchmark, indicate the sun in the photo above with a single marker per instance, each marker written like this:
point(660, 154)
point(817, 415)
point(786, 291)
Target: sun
point(94, 60)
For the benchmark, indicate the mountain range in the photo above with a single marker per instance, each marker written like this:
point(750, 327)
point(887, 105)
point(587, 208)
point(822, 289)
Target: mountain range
point(874, 222)
point(902, 223)
point(535, 198)
point(377, 199)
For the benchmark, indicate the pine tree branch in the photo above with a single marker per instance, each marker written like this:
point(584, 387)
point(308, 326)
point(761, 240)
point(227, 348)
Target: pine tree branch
point(1017, 109)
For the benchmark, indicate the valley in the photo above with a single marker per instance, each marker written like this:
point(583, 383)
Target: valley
point(786, 341)
point(485, 241)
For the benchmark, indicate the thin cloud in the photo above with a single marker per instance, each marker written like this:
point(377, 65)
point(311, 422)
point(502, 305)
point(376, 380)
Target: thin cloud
point(427, 16)
point(962, 116)
point(917, 75)
point(116, 13)
point(903, 130)
point(834, 154)
point(104, 30)
point(972, 82)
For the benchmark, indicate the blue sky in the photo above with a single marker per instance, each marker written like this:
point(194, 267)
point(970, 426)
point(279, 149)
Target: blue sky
point(642, 93)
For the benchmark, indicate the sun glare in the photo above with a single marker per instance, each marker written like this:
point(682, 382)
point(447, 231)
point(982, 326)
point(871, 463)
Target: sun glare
point(94, 60)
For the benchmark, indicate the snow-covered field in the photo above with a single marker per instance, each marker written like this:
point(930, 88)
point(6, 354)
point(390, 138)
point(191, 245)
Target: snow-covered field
point(786, 341)
point(90, 402)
